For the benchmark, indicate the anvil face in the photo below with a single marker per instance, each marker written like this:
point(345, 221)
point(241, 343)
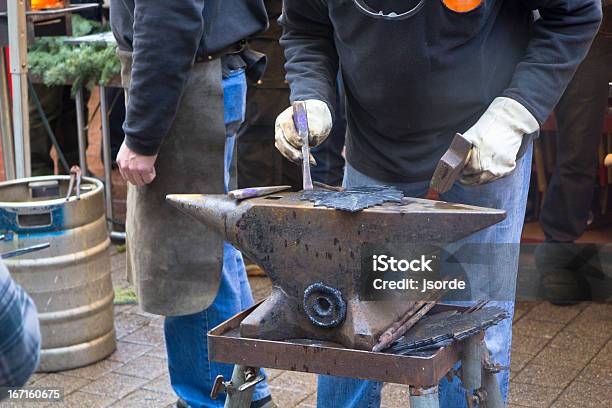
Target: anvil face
point(313, 255)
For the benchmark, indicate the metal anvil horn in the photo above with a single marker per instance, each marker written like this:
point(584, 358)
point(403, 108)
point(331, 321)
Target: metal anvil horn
point(313, 255)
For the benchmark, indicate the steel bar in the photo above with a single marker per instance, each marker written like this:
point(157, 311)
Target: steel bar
point(81, 131)
point(406, 326)
point(25, 250)
point(386, 337)
point(17, 32)
point(106, 156)
point(411, 318)
point(6, 122)
point(471, 362)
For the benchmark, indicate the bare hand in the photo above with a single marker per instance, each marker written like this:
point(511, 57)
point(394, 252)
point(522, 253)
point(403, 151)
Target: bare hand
point(136, 168)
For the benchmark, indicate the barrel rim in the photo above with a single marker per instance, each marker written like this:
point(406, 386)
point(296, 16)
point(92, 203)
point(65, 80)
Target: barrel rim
point(56, 201)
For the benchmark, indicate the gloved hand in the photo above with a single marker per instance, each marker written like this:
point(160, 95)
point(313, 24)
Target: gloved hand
point(496, 139)
point(288, 141)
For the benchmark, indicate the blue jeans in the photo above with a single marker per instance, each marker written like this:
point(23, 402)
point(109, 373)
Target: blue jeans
point(509, 194)
point(191, 372)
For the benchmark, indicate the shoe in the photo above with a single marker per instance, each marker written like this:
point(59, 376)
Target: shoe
point(180, 403)
point(561, 282)
point(265, 402)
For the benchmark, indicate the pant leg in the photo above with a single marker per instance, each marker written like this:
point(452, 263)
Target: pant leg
point(191, 372)
point(580, 115)
point(501, 243)
point(341, 392)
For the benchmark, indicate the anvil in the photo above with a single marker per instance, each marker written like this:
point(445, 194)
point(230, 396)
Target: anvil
point(314, 255)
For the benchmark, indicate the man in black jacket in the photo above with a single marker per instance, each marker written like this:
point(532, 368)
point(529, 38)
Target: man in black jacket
point(414, 76)
point(183, 65)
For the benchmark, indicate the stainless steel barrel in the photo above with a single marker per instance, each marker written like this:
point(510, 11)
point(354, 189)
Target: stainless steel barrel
point(70, 281)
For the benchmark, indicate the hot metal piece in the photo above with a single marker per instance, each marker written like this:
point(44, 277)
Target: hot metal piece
point(436, 329)
point(354, 199)
point(298, 244)
point(251, 192)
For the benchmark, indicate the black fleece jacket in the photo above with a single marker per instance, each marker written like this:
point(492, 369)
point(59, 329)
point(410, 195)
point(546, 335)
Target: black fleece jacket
point(412, 84)
point(166, 36)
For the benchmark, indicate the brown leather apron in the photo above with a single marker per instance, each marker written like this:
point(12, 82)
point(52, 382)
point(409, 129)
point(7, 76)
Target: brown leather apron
point(175, 262)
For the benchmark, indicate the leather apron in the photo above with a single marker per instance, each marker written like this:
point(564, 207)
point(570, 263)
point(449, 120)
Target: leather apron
point(173, 261)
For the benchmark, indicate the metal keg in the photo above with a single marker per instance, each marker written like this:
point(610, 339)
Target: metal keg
point(70, 282)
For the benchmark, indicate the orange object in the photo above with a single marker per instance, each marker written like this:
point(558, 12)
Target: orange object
point(462, 6)
point(47, 4)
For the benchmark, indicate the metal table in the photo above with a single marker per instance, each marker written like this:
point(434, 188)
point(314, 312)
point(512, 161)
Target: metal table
point(422, 374)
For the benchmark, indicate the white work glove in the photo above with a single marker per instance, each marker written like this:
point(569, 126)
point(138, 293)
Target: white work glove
point(496, 139)
point(287, 140)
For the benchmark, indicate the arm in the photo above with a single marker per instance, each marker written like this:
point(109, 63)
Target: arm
point(166, 39)
point(312, 68)
point(312, 61)
point(19, 333)
point(560, 41)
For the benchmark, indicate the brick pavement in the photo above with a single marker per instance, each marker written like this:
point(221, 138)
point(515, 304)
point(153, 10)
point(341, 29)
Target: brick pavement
point(562, 358)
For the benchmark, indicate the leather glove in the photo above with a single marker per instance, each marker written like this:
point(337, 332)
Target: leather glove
point(496, 139)
point(287, 140)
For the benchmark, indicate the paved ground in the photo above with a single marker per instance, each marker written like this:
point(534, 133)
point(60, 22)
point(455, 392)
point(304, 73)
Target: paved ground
point(562, 358)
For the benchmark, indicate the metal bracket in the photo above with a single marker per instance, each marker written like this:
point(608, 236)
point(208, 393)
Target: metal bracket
point(250, 380)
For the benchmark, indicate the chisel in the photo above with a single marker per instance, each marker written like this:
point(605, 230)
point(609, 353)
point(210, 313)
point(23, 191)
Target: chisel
point(300, 120)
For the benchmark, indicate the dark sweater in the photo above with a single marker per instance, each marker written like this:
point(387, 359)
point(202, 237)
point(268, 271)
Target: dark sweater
point(412, 84)
point(165, 37)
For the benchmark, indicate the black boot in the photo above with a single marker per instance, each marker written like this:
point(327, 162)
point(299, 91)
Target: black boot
point(561, 281)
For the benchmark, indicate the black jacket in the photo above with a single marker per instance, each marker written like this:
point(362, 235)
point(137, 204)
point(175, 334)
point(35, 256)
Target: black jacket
point(165, 37)
point(412, 84)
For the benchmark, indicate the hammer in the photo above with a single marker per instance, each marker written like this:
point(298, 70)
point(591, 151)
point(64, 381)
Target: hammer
point(453, 162)
point(451, 165)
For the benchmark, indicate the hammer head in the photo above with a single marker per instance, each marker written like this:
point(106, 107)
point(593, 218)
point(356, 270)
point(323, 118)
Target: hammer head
point(451, 164)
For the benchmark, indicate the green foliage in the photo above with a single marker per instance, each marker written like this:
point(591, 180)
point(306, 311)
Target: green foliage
point(125, 296)
point(58, 63)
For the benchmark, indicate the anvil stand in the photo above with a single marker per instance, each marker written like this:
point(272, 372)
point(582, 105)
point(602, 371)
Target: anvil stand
point(422, 374)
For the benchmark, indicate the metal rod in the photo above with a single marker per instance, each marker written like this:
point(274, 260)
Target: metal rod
point(80, 112)
point(106, 157)
point(6, 122)
point(17, 33)
point(117, 235)
point(471, 364)
point(47, 126)
point(26, 250)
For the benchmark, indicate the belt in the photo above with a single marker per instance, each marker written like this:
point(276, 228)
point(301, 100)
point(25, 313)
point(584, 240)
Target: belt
point(235, 48)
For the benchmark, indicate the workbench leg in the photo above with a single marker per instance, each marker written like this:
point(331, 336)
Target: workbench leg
point(471, 363)
point(490, 386)
point(81, 125)
point(6, 123)
point(235, 397)
point(424, 397)
point(106, 157)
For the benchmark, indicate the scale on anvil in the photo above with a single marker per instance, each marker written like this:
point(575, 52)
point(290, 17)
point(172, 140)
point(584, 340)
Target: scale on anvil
point(313, 255)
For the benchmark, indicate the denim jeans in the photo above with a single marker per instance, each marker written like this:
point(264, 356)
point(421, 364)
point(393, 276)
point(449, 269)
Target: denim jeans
point(191, 372)
point(509, 194)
